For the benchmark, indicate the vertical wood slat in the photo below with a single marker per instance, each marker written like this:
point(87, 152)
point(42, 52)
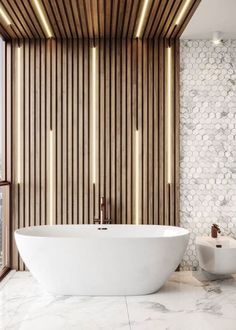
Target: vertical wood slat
point(177, 131)
point(131, 93)
point(161, 130)
point(14, 203)
point(87, 194)
point(129, 135)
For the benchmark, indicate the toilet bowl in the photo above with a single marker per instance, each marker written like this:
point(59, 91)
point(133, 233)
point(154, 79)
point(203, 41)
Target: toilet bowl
point(217, 255)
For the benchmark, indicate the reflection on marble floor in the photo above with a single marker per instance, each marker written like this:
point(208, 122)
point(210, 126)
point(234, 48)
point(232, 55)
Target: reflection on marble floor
point(184, 303)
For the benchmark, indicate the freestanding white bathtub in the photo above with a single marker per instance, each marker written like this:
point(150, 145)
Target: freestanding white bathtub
point(101, 260)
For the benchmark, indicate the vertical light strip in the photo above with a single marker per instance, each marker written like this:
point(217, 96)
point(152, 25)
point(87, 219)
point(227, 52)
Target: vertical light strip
point(18, 115)
point(51, 176)
point(137, 177)
point(43, 19)
point(94, 119)
point(181, 14)
point(169, 116)
point(141, 20)
point(4, 16)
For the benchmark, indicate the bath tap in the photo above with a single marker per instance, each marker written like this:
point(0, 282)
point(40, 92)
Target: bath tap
point(102, 220)
point(215, 229)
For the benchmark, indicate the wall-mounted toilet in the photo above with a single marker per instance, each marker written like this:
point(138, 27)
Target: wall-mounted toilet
point(217, 255)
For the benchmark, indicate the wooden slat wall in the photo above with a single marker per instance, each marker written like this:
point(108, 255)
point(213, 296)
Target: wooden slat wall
point(56, 94)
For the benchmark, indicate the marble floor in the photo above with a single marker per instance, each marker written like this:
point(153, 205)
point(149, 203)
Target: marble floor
point(184, 303)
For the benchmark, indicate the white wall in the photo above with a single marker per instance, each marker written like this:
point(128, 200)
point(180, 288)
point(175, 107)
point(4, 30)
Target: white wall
point(208, 139)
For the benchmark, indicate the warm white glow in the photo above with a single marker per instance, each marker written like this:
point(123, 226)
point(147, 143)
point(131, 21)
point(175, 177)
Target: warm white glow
point(43, 19)
point(4, 16)
point(181, 14)
point(137, 177)
point(51, 176)
point(169, 115)
point(18, 115)
point(141, 20)
point(94, 119)
point(217, 38)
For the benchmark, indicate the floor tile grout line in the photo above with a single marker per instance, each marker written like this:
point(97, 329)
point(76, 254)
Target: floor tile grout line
point(127, 311)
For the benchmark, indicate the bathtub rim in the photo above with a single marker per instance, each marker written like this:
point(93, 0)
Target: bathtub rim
point(28, 232)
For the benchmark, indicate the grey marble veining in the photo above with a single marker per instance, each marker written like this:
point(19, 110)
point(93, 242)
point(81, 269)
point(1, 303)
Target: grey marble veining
point(207, 139)
point(183, 303)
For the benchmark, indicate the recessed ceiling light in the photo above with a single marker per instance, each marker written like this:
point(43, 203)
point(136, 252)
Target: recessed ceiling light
point(217, 38)
point(4, 16)
point(141, 20)
point(181, 14)
point(43, 19)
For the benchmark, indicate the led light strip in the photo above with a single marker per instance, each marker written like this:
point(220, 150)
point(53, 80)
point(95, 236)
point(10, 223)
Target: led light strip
point(141, 20)
point(169, 116)
point(4, 16)
point(43, 19)
point(137, 177)
point(181, 14)
point(51, 176)
point(18, 115)
point(94, 128)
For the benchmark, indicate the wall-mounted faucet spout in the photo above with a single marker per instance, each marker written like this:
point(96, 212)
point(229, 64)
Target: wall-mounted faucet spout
point(215, 230)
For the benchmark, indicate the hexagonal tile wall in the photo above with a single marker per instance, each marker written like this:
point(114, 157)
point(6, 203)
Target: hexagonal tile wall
point(208, 140)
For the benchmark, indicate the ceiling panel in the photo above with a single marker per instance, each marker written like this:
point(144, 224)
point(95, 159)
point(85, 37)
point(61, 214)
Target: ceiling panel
point(95, 18)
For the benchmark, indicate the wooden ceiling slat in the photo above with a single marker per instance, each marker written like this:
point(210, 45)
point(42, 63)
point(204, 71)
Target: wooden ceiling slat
point(158, 17)
point(101, 17)
point(107, 18)
point(94, 15)
point(171, 25)
point(164, 18)
point(13, 18)
point(114, 17)
point(30, 22)
point(3, 32)
point(146, 17)
point(87, 5)
point(21, 14)
point(52, 17)
point(127, 18)
point(33, 16)
point(70, 18)
point(55, 8)
point(76, 18)
point(95, 18)
point(133, 18)
point(153, 12)
point(64, 18)
point(83, 19)
point(120, 21)
point(190, 13)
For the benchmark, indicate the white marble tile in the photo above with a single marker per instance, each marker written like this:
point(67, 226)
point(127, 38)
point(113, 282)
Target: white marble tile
point(25, 306)
point(184, 303)
point(207, 140)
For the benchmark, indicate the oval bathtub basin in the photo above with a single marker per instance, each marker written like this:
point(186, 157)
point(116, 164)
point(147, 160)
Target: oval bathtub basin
point(102, 260)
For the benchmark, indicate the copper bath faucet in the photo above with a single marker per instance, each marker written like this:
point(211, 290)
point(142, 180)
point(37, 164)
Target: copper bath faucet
point(103, 219)
point(215, 230)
